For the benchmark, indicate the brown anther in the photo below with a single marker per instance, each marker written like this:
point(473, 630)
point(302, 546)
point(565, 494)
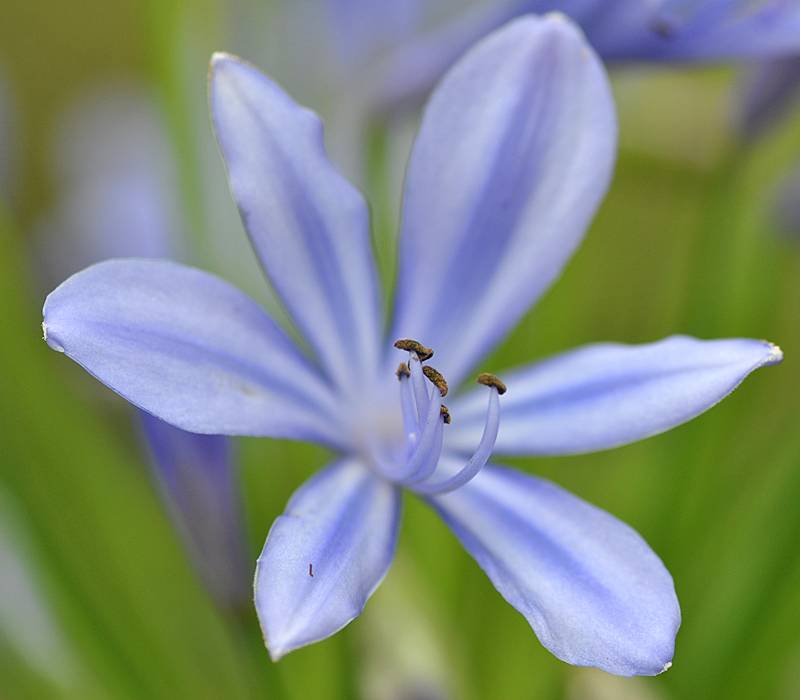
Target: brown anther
point(435, 377)
point(490, 380)
point(422, 352)
point(445, 414)
point(402, 371)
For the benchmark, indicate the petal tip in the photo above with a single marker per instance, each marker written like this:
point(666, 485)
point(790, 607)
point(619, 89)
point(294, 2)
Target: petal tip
point(667, 666)
point(219, 58)
point(221, 62)
point(774, 354)
point(48, 338)
point(276, 653)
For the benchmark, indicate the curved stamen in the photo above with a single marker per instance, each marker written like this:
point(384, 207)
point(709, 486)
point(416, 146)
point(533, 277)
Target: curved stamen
point(420, 387)
point(478, 459)
point(429, 462)
point(427, 442)
point(410, 421)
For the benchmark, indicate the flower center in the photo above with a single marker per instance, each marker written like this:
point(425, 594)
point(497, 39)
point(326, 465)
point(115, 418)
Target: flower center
point(416, 461)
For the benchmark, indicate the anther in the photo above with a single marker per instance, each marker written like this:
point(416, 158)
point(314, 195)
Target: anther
point(491, 380)
point(423, 353)
point(444, 412)
point(402, 371)
point(436, 378)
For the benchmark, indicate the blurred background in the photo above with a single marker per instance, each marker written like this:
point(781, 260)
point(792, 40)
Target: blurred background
point(125, 572)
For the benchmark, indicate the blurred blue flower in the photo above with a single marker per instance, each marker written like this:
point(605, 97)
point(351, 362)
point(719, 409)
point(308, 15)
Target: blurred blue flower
point(619, 30)
point(514, 155)
point(115, 184)
point(117, 198)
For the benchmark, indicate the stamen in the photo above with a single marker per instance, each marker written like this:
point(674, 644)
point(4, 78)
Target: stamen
point(492, 380)
point(422, 352)
point(445, 413)
point(479, 458)
point(419, 384)
point(427, 442)
point(410, 421)
point(402, 371)
point(436, 378)
point(427, 464)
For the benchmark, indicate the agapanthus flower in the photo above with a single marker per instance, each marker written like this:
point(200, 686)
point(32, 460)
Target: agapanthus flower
point(514, 154)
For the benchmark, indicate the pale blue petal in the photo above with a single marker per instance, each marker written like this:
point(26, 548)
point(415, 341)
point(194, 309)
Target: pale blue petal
point(513, 157)
point(197, 478)
point(608, 394)
point(591, 588)
point(341, 526)
point(190, 349)
point(309, 226)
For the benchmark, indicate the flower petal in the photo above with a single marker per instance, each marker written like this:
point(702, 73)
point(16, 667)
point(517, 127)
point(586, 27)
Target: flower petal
point(190, 349)
point(608, 394)
point(514, 154)
point(591, 588)
point(309, 226)
point(325, 556)
point(197, 479)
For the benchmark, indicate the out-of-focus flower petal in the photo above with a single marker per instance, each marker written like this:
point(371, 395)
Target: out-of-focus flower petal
point(325, 556)
point(309, 226)
point(714, 30)
point(591, 588)
point(361, 28)
point(514, 154)
point(607, 395)
point(619, 30)
point(116, 185)
point(196, 475)
point(768, 92)
point(27, 621)
point(190, 349)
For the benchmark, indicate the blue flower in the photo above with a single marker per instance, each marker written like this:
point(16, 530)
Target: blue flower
point(621, 31)
point(514, 154)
